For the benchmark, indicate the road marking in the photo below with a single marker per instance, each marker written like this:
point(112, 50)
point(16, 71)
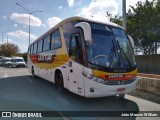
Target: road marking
point(63, 116)
point(29, 80)
point(5, 76)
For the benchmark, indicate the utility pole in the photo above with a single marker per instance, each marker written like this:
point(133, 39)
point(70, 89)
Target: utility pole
point(30, 13)
point(7, 42)
point(2, 37)
point(3, 33)
point(124, 13)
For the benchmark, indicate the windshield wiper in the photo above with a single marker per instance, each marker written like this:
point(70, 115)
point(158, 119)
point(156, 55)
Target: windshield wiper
point(119, 48)
point(112, 53)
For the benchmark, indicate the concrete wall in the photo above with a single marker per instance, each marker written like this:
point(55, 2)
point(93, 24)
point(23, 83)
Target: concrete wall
point(149, 85)
point(148, 64)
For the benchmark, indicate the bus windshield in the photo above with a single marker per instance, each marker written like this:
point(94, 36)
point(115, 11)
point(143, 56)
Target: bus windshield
point(110, 47)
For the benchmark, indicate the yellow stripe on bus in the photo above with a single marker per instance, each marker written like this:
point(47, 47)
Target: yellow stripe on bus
point(100, 73)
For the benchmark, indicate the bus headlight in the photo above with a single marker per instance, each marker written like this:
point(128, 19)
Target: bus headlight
point(93, 78)
point(87, 75)
point(96, 79)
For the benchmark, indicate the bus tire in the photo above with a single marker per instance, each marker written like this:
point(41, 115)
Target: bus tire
point(59, 82)
point(121, 96)
point(33, 75)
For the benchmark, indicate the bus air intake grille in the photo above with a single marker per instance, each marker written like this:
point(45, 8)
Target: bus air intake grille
point(119, 82)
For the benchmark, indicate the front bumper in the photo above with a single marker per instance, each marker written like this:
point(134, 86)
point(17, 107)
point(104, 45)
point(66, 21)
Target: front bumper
point(94, 89)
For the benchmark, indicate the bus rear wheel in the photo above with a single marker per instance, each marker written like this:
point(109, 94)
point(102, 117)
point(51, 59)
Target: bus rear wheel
point(59, 82)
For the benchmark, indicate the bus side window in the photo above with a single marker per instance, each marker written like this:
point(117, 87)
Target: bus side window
point(52, 40)
point(35, 48)
point(46, 43)
point(40, 43)
point(32, 49)
point(75, 51)
point(56, 40)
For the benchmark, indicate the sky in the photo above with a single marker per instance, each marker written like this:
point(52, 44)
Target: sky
point(14, 20)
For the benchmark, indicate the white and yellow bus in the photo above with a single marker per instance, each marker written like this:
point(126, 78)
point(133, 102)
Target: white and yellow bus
point(88, 57)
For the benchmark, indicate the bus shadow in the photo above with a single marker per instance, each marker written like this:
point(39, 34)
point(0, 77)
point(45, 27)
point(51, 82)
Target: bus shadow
point(36, 94)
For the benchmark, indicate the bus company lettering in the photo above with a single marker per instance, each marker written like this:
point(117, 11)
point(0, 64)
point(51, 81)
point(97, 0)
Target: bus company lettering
point(45, 58)
point(116, 76)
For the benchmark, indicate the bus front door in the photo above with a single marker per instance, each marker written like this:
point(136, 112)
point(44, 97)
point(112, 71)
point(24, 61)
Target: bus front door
point(75, 66)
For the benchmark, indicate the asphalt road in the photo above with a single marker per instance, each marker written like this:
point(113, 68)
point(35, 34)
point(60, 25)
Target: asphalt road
point(20, 92)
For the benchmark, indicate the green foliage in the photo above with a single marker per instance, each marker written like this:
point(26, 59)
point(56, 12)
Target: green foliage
point(117, 20)
point(24, 55)
point(8, 49)
point(144, 26)
point(158, 2)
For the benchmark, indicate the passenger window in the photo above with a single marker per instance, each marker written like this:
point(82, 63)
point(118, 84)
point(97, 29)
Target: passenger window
point(31, 49)
point(35, 48)
point(56, 41)
point(40, 43)
point(52, 40)
point(46, 45)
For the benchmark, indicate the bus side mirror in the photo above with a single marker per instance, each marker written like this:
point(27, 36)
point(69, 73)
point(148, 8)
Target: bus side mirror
point(131, 41)
point(86, 29)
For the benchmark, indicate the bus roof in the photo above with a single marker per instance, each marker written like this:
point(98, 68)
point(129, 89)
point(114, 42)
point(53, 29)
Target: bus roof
point(75, 19)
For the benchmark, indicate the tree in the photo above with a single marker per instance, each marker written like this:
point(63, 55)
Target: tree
point(9, 49)
point(158, 2)
point(117, 20)
point(143, 25)
point(24, 55)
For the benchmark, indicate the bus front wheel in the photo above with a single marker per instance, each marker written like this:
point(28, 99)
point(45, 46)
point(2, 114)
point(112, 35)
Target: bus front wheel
point(59, 82)
point(33, 72)
point(121, 96)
